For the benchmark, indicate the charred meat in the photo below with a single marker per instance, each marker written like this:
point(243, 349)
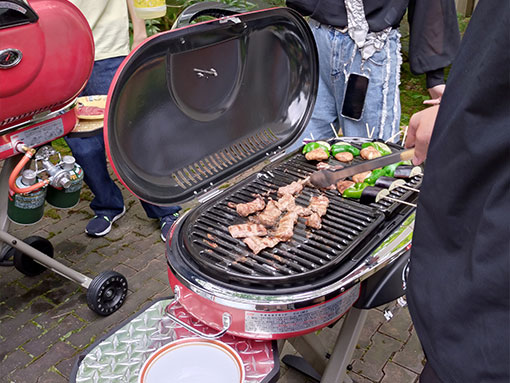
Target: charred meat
point(257, 244)
point(245, 209)
point(344, 157)
point(287, 202)
point(342, 185)
point(294, 188)
point(314, 221)
point(369, 153)
point(269, 216)
point(317, 155)
point(360, 177)
point(319, 204)
point(285, 229)
point(244, 230)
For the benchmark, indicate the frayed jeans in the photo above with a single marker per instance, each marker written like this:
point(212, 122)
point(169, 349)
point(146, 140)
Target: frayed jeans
point(90, 154)
point(339, 56)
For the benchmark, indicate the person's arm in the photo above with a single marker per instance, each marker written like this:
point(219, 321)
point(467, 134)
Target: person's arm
point(419, 132)
point(434, 40)
point(139, 31)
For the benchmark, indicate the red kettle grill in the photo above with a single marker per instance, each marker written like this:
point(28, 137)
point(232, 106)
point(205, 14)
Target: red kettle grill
point(46, 58)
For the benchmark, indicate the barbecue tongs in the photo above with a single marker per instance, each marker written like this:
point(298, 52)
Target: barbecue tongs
point(326, 177)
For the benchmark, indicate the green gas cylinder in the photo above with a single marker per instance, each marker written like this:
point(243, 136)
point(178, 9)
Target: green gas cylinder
point(26, 208)
point(69, 196)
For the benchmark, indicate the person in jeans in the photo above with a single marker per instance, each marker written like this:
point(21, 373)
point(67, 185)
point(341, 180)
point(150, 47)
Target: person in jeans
point(362, 37)
point(109, 22)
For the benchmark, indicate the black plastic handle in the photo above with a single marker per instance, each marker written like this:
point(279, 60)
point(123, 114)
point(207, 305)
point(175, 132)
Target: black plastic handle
point(206, 8)
point(16, 12)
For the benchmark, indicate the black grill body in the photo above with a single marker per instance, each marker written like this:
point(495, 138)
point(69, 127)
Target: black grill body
point(350, 231)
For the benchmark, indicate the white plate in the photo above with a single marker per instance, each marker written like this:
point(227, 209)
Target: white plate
point(193, 361)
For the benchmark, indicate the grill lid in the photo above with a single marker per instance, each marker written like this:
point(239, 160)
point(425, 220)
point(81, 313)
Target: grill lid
point(193, 106)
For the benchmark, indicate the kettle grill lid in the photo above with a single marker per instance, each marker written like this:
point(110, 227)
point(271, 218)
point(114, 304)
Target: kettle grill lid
point(193, 106)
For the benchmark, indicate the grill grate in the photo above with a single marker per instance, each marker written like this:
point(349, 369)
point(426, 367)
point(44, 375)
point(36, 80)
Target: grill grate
point(214, 164)
point(346, 228)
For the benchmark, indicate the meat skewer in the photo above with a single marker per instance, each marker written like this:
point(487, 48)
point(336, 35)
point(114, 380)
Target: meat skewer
point(317, 155)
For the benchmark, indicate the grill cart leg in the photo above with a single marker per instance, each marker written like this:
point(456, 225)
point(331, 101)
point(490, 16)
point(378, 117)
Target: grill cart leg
point(336, 370)
point(6, 252)
point(312, 350)
point(314, 362)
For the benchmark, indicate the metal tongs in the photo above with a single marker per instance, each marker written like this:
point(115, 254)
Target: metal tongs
point(327, 177)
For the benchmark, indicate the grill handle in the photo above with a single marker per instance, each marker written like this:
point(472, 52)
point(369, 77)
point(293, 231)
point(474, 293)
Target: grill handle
point(208, 8)
point(226, 319)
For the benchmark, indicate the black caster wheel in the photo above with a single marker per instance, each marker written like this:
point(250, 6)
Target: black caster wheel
point(26, 265)
point(107, 292)
point(7, 259)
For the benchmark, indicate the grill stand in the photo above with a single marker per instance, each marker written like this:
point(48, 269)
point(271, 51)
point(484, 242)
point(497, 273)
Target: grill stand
point(314, 354)
point(101, 299)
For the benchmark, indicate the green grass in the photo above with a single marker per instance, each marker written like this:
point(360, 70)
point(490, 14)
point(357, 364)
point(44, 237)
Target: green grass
point(413, 90)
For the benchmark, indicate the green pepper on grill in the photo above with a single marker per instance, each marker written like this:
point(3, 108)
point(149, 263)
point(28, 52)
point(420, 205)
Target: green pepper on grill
point(389, 170)
point(344, 147)
point(380, 146)
point(376, 173)
point(315, 145)
point(355, 190)
point(365, 193)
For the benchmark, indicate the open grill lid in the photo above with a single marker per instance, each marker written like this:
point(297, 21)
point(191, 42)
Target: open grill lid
point(193, 106)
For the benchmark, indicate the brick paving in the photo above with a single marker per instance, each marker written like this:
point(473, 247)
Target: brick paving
point(45, 322)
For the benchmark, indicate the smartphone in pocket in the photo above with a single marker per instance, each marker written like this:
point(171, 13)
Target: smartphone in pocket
point(354, 98)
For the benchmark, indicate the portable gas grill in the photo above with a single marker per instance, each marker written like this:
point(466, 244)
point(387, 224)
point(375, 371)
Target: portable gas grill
point(202, 115)
point(46, 58)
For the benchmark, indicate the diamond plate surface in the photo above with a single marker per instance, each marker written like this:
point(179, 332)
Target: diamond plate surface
point(119, 357)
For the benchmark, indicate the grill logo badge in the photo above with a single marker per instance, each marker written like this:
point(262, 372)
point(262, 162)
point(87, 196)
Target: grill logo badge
point(9, 58)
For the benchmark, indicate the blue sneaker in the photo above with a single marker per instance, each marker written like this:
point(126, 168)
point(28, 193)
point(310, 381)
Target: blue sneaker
point(166, 223)
point(101, 224)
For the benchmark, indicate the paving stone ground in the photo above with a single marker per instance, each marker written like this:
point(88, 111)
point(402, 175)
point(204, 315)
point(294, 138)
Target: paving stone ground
point(45, 322)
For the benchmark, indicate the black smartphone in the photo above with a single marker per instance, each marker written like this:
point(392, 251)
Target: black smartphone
point(354, 98)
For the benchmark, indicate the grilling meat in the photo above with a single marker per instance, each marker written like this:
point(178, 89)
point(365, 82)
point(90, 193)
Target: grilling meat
point(257, 244)
point(360, 177)
point(369, 153)
point(285, 229)
point(269, 216)
point(294, 188)
point(314, 221)
point(244, 230)
point(323, 165)
point(302, 211)
point(317, 155)
point(342, 185)
point(287, 202)
point(319, 204)
point(245, 209)
point(344, 157)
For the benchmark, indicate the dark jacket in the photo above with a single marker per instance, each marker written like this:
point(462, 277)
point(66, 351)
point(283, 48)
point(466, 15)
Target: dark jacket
point(459, 289)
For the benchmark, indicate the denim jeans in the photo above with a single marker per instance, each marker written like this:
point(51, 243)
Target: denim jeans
point(90, 154)
point(338, 57)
